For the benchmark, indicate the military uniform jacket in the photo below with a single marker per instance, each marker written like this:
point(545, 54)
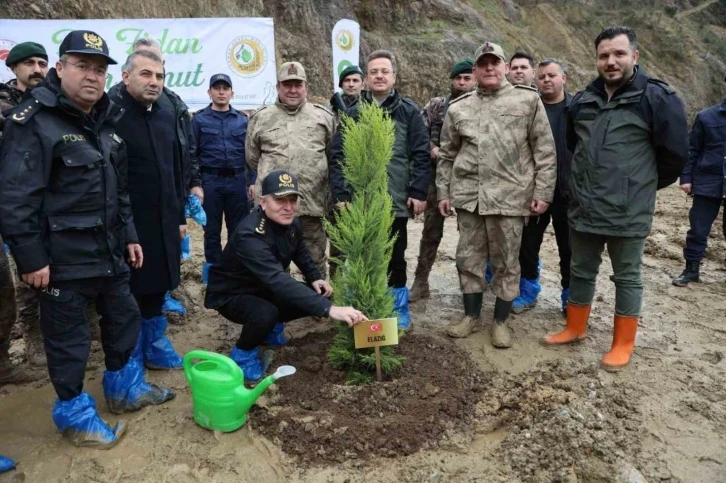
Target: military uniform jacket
point(10, 97)
point(624, 149)
point(63, 197)
point(497, 152)
point(296, 140)
point(255, 260)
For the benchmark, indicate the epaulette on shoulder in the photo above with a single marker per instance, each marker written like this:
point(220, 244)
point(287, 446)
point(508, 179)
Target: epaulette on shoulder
point(324, 108)
point(662, 84)
point(259, 109)
point(463, 96)
point(529, 88)
point(24, 111)
point(260, 228)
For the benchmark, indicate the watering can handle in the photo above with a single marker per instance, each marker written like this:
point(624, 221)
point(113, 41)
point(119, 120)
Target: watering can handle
point(222, 360)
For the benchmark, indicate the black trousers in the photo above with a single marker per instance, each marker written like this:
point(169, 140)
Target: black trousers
point(150, 304)
point(702, 215)
point(67, 334)
point(258, 315)
point(397, 267)
point(533, 234)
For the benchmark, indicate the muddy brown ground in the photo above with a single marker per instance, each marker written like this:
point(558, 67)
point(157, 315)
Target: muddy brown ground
point(529, 414)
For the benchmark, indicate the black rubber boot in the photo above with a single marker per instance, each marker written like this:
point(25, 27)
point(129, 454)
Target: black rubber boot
point(472, 304)
point(502, 309)
point(690, 274)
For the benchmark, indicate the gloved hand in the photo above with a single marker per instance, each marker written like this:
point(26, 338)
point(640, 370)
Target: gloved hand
point(193, 209)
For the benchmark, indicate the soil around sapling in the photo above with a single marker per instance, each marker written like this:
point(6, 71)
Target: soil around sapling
point(314, 416)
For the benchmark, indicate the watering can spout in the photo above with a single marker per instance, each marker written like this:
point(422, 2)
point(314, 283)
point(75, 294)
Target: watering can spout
point(247, 397)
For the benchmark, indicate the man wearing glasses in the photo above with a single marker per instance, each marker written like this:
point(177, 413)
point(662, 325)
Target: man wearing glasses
point(66, 215)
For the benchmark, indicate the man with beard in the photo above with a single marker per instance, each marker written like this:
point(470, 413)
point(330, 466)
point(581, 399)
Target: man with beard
point(409, 171)
point(151, 144)
point(462, 81)
point(65, 212)
point(551, 80)
point(18, 302)
point(628, 134)
point(351, 81)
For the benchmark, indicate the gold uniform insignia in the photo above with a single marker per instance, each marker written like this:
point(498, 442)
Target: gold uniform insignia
point(20, 117)
point(286, 181)
point(93, 41)
point(261, 227)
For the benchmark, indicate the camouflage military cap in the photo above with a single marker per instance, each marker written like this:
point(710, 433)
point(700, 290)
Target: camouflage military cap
point(489, 49)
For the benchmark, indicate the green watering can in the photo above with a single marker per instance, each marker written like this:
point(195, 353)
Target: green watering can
point(219, 397)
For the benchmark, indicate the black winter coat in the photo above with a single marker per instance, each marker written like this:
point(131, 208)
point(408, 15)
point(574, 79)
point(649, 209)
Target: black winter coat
point(706, 166)
point(154, 186)
point(63, 198)
point(255, 261)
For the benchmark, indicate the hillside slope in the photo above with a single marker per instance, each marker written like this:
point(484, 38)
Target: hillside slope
point(682, 41)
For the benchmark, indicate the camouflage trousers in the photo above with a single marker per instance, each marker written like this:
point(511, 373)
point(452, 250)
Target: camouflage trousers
point(497, 238)
point(315, 241)
point(433, 231)
point(7, 299)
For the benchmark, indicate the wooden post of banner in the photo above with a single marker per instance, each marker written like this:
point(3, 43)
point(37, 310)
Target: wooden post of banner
point(379, 377)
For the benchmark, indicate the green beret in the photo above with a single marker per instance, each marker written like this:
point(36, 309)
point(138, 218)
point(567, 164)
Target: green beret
point(350, 70)
point(464, 66)
point(22, 51)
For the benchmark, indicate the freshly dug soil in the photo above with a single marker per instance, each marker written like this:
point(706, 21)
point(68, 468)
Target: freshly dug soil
point(315, 416)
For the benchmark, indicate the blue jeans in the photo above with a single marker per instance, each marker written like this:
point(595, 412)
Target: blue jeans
point(223, 195)
point(702, 215)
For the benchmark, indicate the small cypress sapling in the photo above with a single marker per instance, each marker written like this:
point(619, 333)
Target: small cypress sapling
point(362, 232)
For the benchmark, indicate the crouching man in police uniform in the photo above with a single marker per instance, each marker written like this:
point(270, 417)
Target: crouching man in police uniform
point(250, 286)
point(65, 212)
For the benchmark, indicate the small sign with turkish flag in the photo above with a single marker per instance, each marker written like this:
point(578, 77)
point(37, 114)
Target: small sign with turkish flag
point(376, 333)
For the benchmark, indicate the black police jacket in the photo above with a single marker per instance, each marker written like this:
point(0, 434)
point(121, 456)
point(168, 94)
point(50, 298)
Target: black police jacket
point(63, 196)
point(255, 261)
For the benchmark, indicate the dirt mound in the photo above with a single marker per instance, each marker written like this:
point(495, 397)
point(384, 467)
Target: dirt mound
point(562, 421)
point(319, 419)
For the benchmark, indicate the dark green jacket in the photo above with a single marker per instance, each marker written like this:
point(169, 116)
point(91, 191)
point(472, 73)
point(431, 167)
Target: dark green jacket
point(410, 168)
point(624, 150)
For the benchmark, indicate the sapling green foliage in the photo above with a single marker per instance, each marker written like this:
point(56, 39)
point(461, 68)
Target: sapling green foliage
point(362, 232)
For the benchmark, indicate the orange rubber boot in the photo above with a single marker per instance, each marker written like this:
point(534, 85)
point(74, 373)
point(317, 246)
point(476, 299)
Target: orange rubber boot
point(576, 328)
point(623, 343)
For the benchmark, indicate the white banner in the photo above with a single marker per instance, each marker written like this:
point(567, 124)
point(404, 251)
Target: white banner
point(194, 49)
point(346, 47)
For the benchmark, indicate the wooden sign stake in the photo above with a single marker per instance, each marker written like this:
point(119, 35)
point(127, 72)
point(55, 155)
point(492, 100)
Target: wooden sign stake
point(379, 377)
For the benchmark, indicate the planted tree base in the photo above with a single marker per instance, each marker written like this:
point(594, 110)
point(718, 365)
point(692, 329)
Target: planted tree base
point(320, 419)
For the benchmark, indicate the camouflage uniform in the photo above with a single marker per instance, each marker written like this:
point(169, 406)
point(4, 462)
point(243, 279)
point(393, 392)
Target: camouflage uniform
point(297, 140)
point(433, 230)
point(22, 299)
point(497, 155)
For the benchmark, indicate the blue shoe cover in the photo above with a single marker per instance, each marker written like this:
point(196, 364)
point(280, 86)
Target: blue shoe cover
point(127, 391)
point(186, 248)
point(489, 274)
point(193, 209)
point(400, 307)
point(277, 336)
point(158, 351)
point(172, 305)
point(205, 273)
point(249, 362)
point(79, 421)
point(565, 297)
point(6, 464)
point(528, 292)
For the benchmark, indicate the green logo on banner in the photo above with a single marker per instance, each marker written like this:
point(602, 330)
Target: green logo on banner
point(344, 64)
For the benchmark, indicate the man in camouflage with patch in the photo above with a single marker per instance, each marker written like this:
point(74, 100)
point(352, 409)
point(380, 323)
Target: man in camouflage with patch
point(462, 81)
point(497, 166)
point(295, 135)
point(29, 63)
